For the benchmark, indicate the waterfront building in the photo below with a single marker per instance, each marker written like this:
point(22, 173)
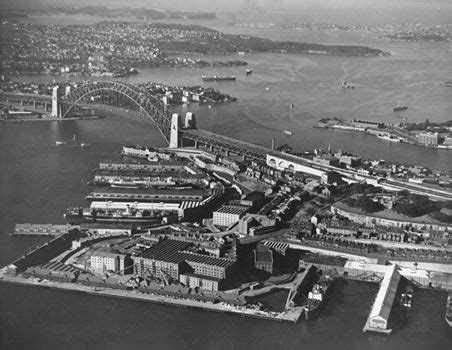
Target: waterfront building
point(329, 264)
point(379, 315)
point(104, 260)
point(428, 138)
point(193, 280)
point(172, 258)
point(263, 258)
point(228, 215)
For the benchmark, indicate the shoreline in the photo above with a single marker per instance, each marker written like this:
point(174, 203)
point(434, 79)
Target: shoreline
point(375, 132)
point(291, 316)
point(50, 119)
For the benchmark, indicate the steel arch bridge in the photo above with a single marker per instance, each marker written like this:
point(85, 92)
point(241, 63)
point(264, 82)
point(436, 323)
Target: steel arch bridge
point(150, 106)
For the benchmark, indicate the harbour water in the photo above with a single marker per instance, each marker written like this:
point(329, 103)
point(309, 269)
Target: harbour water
point(38, 180)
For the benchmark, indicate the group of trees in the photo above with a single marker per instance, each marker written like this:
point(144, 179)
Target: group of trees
point(364, 203)
point(414, 205)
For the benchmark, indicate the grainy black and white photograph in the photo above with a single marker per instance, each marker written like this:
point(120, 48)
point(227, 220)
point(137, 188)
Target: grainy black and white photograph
point(226, 174)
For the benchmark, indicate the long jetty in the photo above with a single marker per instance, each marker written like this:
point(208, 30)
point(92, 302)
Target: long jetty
point(381, 309)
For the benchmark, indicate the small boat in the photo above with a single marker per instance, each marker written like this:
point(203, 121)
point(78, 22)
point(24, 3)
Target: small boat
point(346, 85)
point(287, 132)
point(292, 105)
point(59, 143)
point(400, 107)
point(267, 89)
point(406, 298)
point(218, 78)
point(388, 137)
point(84, 145)
point(249, 71)
point(448, 316)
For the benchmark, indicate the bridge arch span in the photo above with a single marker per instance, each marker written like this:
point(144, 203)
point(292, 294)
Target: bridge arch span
point(149, 105)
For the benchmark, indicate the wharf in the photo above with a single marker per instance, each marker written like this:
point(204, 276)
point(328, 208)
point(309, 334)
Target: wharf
point(290, 316)
point(381, 309)
point(41, 229)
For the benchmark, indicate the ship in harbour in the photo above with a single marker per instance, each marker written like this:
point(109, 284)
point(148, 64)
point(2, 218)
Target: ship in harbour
point(346, 85)
point(388, 137)
point(400, 107)
point(218, 78)
point(130, 215)
point(406, 298)
point(448, 316)
point(317, 296)
point(287, 132)
point(145, 183)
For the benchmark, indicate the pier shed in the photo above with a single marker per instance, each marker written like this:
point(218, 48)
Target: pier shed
point(381, 309)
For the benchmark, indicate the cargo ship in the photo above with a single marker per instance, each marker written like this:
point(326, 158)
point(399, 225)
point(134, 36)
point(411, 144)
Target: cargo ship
point(116, 216)
point(317, 296)
point(121, 183)
point(218, 78)
point(399, 108)
point(448, 316)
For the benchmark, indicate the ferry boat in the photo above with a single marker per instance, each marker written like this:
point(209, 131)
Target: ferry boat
point(287, 132)
point(400, 107)
point(317, 296)
point(388, 137)
point(448, 316)
point(218, 78)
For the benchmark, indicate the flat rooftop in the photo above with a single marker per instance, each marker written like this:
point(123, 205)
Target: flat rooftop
point(173, 251)
point(157, 191)
point(232, 209)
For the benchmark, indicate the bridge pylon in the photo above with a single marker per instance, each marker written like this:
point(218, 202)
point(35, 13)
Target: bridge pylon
point(56, 106)
point(175, 140)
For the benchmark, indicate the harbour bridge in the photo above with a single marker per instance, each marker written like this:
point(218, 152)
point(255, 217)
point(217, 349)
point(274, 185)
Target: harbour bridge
point(132, 97)
point(178, 134)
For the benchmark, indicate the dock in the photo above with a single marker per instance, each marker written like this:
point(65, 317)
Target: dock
point(41, 229)
point(381, 309)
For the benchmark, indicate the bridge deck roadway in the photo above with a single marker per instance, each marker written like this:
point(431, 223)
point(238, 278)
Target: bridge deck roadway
point(227, 143)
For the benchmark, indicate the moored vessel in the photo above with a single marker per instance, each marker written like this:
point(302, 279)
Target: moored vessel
point(448, 316)
point(317, 296)
point(400, 107)
point(287, 132)
point(406, 299)
point(218, 77)
point(388, 137)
